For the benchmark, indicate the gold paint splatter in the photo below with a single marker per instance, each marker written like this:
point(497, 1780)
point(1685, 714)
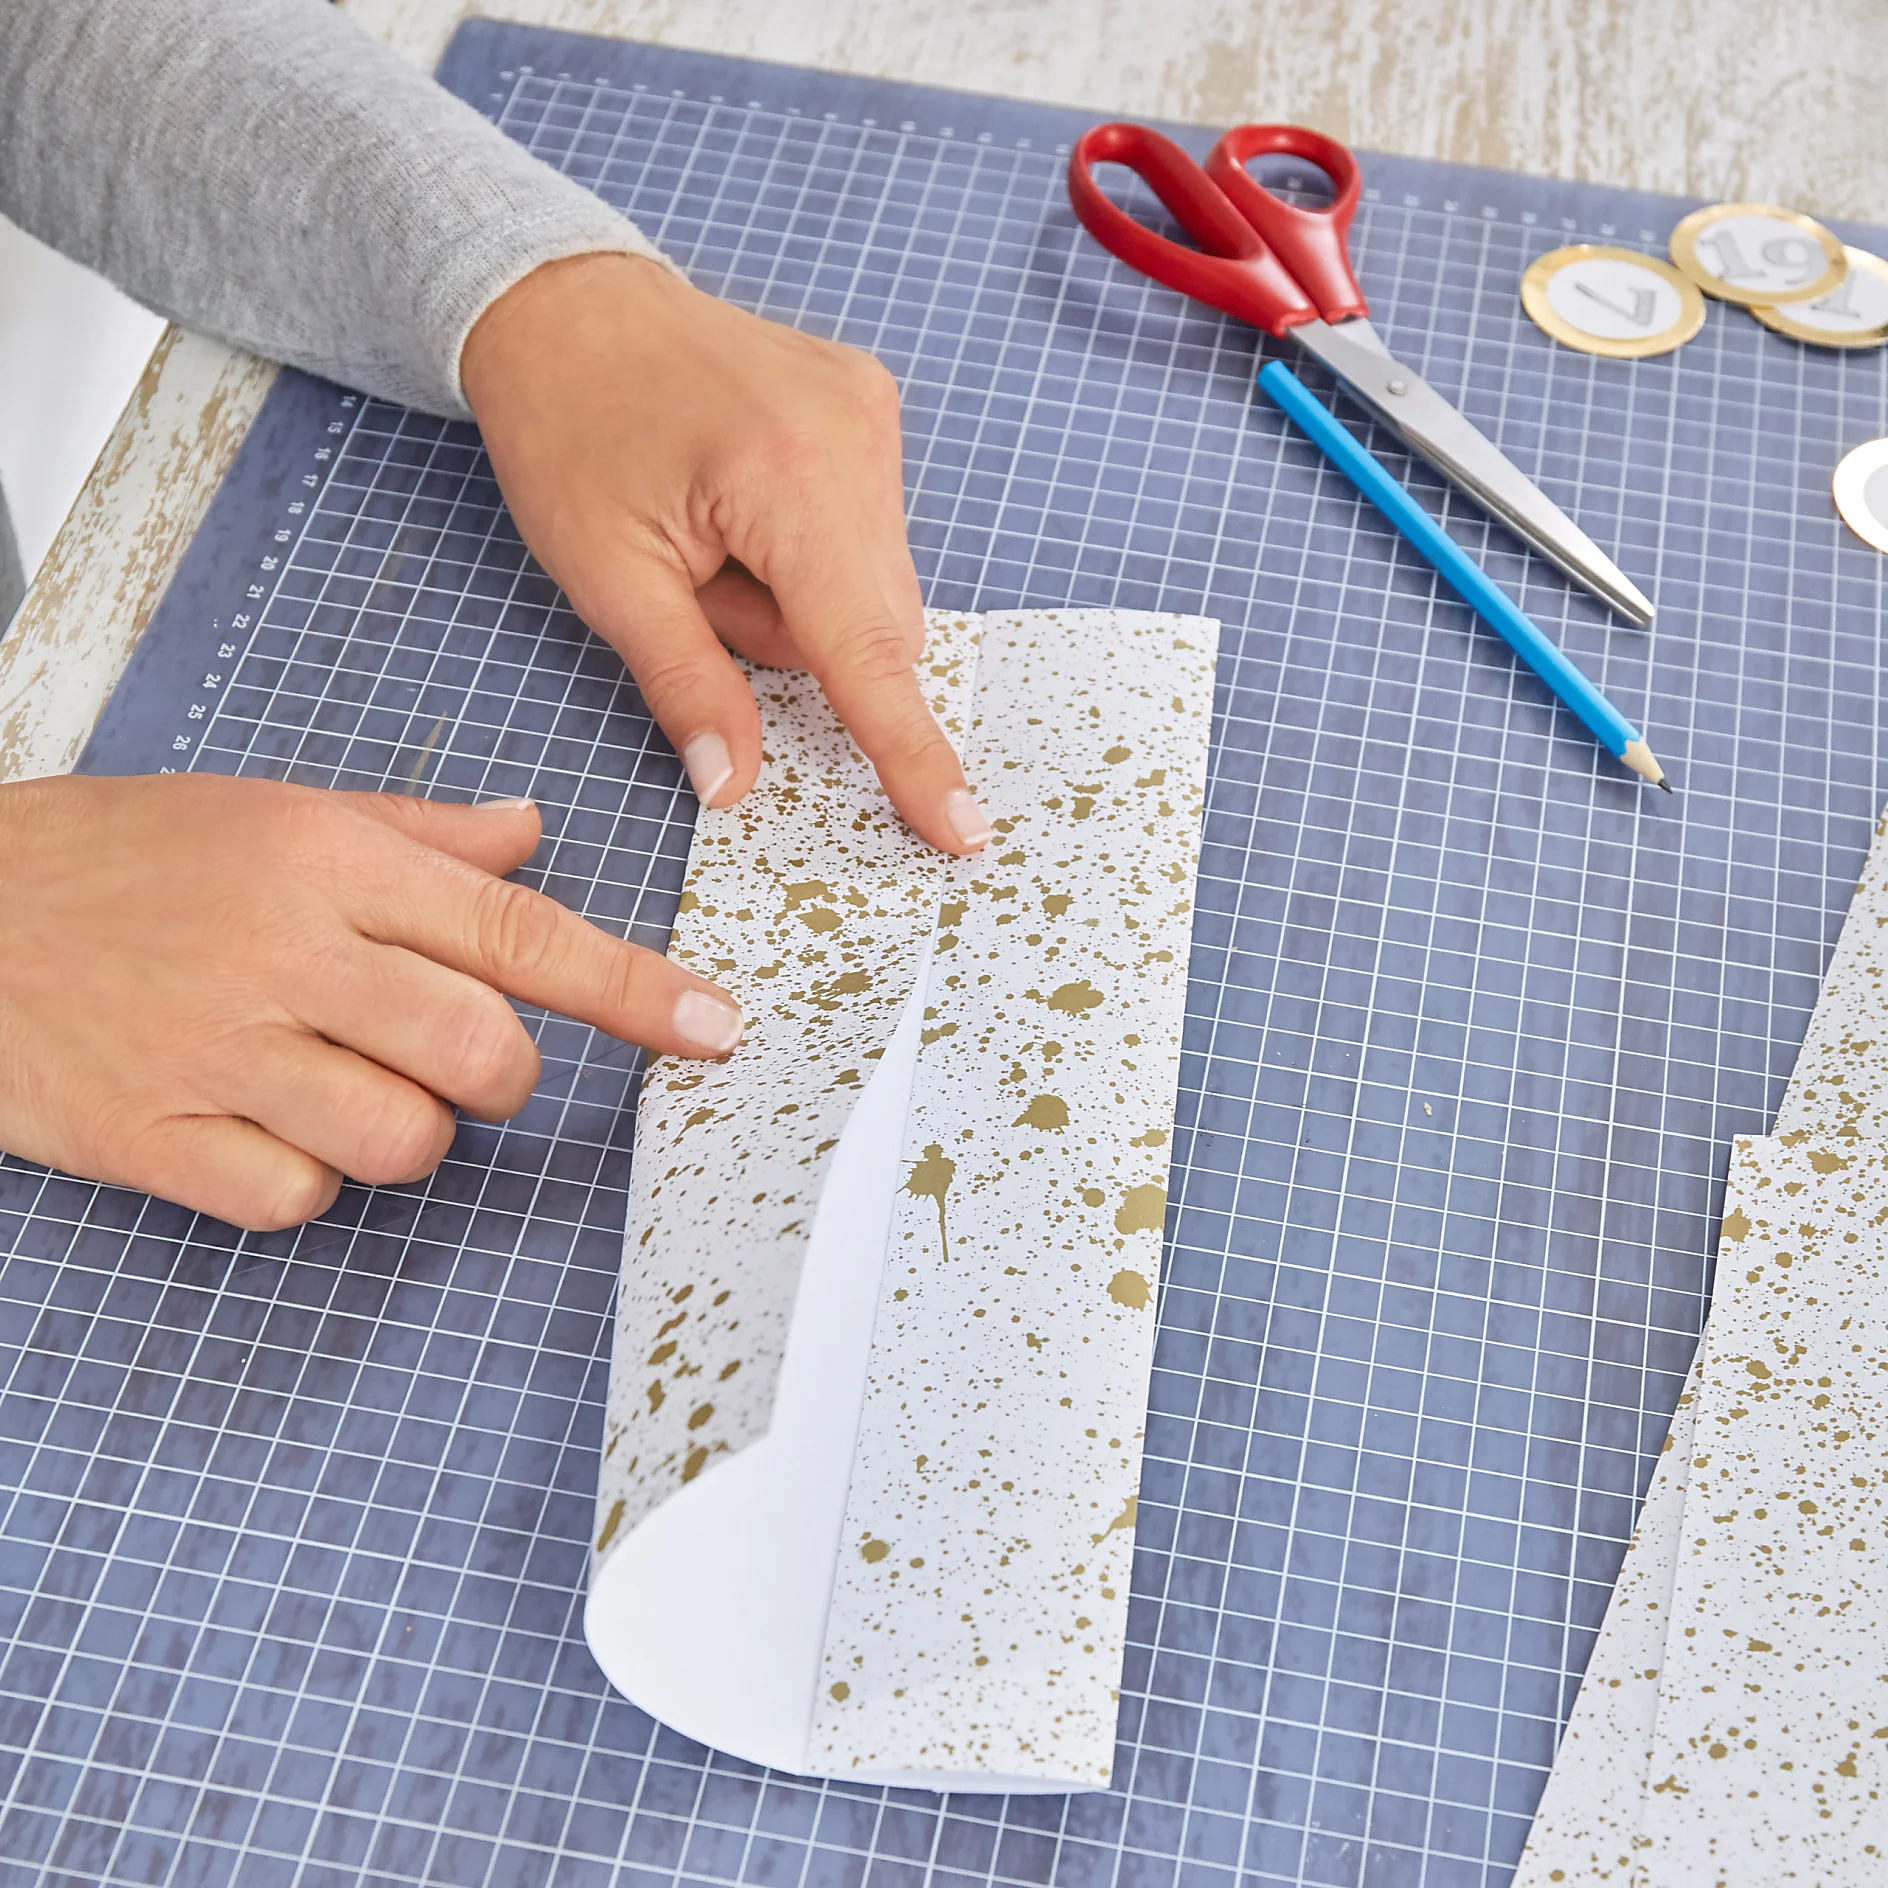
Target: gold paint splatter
point(1123, 1523)
point(1076, 997)
point(611, 1525)
point(1046, 1111)
point(1128, 1288)
point(1824, 1161)
point(1115, 753)
point(875, 1551)
point(697, 1458)
point(1143, 1210)
point(841, 1691)
point(1092, 1196)
point(1736, 1225)
point(820, 919)
point(931, 1179)
point(696, 1417)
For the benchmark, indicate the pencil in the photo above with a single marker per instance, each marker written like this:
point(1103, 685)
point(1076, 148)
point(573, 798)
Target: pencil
point(1461, 573)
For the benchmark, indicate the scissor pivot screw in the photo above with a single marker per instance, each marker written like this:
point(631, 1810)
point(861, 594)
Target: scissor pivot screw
point(1396, 386)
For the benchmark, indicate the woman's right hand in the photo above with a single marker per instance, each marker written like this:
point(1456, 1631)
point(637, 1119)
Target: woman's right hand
point(235, 993)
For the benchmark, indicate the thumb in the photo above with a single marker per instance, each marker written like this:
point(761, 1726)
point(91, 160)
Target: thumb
point(497, 836)
point(647, 611)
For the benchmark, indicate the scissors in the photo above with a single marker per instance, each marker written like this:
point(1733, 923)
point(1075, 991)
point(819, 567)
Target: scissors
point(1287, 270)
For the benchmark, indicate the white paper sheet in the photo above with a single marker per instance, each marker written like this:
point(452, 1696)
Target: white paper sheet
point(1770, 1759)
point(1840, 1082)
point(1592, 1812)
point(1593, 1808)
point(742, 1554)
point(981, 1604)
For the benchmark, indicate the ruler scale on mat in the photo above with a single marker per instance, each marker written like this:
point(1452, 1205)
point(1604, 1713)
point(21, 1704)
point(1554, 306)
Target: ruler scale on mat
point(292, 1528)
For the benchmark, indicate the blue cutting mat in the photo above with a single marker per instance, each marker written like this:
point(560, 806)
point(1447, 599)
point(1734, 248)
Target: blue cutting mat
point(292, 1528)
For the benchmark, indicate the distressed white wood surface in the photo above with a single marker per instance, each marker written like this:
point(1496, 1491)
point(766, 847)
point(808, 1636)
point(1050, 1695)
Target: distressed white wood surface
point(1712, 98)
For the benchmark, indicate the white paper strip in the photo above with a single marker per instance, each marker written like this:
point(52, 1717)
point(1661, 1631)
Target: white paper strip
point(817, 904)
point(1044, 1045)
point(1591, 1815)
point(1840, 1082)
point(981, 1606)
point(1596, 1793)
point(1770, 1762)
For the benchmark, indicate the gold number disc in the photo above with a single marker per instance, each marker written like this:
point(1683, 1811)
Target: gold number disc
point(1754, 252)
point(1614, 302)
point(1853, 314)
point(1861, 491)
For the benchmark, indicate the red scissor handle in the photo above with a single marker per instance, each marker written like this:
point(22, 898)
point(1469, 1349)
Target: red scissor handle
point(1313, 243)
point(1258, 255)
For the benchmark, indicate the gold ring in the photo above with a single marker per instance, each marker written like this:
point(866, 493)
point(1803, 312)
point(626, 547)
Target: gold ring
point(1614, 302)
point(1746, 264)
point(1854, 314)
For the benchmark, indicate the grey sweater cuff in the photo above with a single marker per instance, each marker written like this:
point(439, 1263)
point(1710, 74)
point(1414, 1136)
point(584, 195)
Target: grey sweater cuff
point(264, 172)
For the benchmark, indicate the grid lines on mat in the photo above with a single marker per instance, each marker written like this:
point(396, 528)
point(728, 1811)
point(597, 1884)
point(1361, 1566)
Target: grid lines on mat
point(292, 1528)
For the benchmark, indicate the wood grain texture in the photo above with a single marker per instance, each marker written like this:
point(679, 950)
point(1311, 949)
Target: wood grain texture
point(108, 567)
point(1709, 98)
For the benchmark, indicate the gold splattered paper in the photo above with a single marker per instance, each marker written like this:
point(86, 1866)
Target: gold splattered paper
point(1840, 1082)
point(813, 903)
point(1592, 1813)
point(980, 1608)
point(953, 1113)
point(1770, 1759)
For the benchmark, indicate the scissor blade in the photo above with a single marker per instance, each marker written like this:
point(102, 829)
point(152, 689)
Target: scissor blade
point(1406, 402)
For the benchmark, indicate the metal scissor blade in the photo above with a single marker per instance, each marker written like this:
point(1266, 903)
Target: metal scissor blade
point(1406, 402)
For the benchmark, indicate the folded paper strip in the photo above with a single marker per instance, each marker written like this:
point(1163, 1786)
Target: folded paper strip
point(1593, 1823)
point(876, 1404)
point(1768, 1758)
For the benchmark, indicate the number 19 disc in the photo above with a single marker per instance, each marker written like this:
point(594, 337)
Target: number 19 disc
point(1754, 252)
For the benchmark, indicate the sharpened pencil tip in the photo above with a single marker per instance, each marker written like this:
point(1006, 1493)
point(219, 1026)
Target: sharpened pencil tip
point(1638, 757)
point(1666, 784)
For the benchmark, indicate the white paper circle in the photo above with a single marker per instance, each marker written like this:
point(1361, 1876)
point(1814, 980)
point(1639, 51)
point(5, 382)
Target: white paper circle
point(1861, 492)
point(1858, 304)
point(1875, 496)
point(1760, 255)
point(1613, 300)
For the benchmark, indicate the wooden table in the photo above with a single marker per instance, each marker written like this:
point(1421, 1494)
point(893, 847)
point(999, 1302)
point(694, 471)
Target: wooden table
point(1711, 98)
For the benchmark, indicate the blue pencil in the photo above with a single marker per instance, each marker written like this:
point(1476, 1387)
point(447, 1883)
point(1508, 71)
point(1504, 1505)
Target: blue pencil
point(1461, 573)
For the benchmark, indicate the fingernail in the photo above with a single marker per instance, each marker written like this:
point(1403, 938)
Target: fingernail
point(707, 1022)
point(518, 804)
point(709, 766)
point(967, 819)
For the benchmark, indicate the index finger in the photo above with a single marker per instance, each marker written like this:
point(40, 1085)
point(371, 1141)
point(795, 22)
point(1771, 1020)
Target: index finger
point(848, 629)
point(531, 947)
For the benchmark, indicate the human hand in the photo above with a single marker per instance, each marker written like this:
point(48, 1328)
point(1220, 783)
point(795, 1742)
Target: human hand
point(645, 435)
point(233, 993)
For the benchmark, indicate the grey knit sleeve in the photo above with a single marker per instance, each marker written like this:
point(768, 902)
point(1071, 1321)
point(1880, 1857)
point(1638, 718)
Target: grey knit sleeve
point(263, 171)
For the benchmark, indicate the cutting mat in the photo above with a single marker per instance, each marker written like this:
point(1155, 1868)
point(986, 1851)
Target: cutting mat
point(292, 1527)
